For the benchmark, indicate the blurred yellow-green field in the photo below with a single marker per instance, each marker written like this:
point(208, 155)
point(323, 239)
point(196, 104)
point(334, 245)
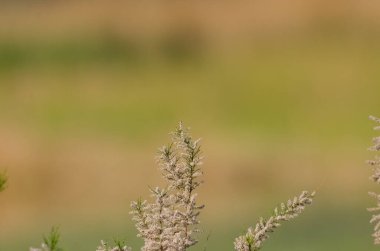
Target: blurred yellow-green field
point(279, 92)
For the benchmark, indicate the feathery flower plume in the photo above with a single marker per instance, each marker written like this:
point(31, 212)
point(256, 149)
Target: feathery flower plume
point(375, 163)
point(169, 223)
point(254, 238)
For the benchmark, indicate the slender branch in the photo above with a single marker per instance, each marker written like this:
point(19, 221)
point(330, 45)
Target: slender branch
point(254, 238)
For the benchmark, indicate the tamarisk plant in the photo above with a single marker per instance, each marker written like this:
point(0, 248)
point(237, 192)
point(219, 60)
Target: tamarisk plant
point(169, 223)
point(255, 237)
point(375, 164)
point(50, 243)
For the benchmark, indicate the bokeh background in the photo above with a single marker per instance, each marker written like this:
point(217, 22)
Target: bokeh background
point(280, 92)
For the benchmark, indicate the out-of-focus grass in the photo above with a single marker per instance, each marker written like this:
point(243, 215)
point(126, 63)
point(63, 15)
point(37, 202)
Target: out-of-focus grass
point(15, 55)
point(324, 89)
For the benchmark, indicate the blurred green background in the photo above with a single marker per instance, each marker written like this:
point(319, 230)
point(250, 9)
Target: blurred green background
point(279, 91)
